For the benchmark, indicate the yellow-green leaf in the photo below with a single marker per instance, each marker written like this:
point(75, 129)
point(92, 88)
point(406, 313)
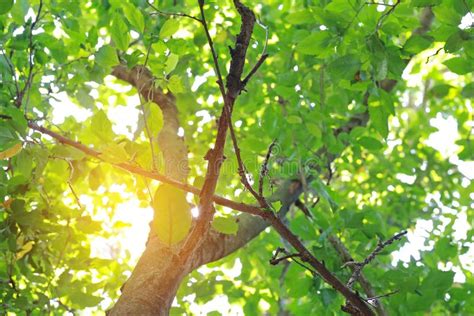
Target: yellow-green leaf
point(225, 225)
point(134, 16)
point(154, 118)
point(10, 152)
point(95, 178)
point(102, 127)
point(294, 119)
point(198, 183)
point(120, 34)
point(25, 249)
point(114, 153)
point(106, 56)
point(169, 28)
point(172, 214)
point(171, 63)
point(175, 84)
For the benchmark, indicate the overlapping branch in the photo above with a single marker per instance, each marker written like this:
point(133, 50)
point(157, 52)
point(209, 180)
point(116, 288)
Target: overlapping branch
point(215, 157)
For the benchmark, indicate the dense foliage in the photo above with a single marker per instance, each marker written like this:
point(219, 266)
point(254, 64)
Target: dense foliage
point(328, 63)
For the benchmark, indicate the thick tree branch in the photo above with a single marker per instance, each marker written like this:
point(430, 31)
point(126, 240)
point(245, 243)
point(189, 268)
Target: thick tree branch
point(233, 85)
point(172, 146)
point(241, 207)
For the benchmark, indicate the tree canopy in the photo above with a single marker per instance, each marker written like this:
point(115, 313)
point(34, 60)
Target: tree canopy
point(297, 157)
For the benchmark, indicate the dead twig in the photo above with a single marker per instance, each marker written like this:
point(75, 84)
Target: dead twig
point(360, 265)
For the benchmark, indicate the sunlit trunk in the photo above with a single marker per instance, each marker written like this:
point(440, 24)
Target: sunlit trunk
point(153, 284)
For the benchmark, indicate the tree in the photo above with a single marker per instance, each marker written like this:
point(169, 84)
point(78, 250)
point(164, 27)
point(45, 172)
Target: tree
point(303, 132)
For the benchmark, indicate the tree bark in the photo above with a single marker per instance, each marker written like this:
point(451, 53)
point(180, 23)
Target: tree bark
point(153, 284)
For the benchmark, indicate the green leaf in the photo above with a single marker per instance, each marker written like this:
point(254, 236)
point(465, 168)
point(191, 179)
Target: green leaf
point(321, 190)
point(344, 67)
point(19, 10)
point(102, 127)
point(18, 120)
point(8, 137)
point(445, 249)
point(172, 214)
point(353, 219)
point(417, 43)
point(23, 163)
point(468, 91)
point(300, 17)
point(380, 109)
point(294, 119)
point(67, 152)
point(460, 65)
point(467, 153)
point(455, 41)
point(119, 33)
point(154, 117)
point(314, 44)
point(106, 56)
point(438, 281)
point(171, 63)
point(370, 143)
point(441, 90)
point(134, 16)
point(425, 3)
point(170, 27)
point(175, 84)
point(469, 48)
point(5, 6)
point(225, 225)
point(314, 130)
point(84, 99)
point(83, 299)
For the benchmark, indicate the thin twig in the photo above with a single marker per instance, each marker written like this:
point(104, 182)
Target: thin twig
point(379, 3)
point(360, 265)
point(381, 296)
point(264, 169)
point(215, 59)
point(254, 70)
point(76, 197)
point(276, 260)
point(330, 173)
point(12, 71)
point(243, 171)
point(172, 13)
point(148, 133)
point(262, 58)
point(385, 15)
point(26, 88)
point(434, 54)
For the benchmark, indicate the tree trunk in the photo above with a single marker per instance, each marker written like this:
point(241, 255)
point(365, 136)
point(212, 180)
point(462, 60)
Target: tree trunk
point(154, 282)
